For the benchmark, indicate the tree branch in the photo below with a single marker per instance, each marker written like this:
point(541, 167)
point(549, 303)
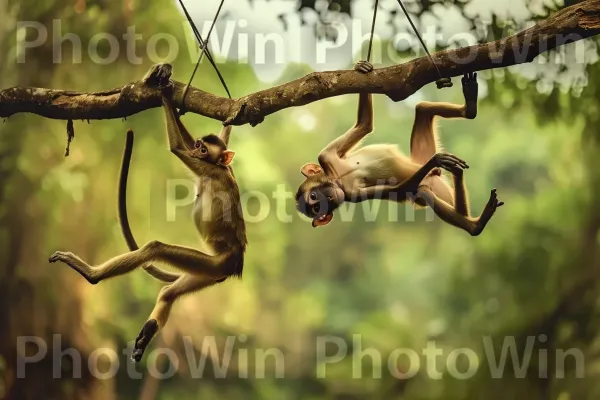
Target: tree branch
point(397, 82)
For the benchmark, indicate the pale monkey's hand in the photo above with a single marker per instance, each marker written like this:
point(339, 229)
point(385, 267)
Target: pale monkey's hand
point(449, 162)
point(363, 66)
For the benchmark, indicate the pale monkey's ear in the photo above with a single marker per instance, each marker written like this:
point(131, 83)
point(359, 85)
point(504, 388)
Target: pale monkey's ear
point(311, 169)
point(227, 157)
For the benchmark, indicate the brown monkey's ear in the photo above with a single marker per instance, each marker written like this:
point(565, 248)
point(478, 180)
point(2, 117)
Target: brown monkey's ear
point(227, 157)
point(311, 169)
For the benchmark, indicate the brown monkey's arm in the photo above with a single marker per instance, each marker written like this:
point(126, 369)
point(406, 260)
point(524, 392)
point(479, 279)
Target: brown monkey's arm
point(225, 133)
point(179, 137)
point(181, 142)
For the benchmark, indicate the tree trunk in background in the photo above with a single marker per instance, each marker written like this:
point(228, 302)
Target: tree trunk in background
point(30, 304)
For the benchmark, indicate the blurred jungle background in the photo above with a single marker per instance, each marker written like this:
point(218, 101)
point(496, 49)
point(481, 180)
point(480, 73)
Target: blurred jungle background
point(393, 281)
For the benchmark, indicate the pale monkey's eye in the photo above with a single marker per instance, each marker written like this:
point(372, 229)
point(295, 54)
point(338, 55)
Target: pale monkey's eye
point(197, 144)
point(203, 150)
point(313, 196)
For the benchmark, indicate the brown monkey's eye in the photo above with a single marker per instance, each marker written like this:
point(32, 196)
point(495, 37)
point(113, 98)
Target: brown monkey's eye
point(197, 144)
point(203, 150)
point(313, 196)
point(316, 208)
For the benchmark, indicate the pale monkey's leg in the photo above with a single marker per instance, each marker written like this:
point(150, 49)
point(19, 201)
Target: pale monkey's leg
point(186, 259)
point(450, 215)
point(160, 314)
point(461, 199)
point(424, 143)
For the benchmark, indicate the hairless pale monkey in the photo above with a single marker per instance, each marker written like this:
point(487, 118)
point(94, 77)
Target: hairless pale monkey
point(348, 172)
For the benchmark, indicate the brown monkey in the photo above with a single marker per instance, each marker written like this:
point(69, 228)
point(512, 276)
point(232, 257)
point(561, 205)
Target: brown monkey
point(217, 215)
point(347, 172)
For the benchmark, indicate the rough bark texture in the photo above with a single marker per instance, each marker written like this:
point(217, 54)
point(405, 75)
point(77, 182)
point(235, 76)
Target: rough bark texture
point(397, 82)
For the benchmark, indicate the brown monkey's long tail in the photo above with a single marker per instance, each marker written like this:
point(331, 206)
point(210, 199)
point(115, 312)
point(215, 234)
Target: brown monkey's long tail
point(155, 272)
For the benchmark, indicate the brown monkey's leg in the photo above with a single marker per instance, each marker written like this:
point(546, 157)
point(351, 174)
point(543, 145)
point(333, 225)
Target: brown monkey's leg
point(167, 296)
point(188, 260)
point(474, 226)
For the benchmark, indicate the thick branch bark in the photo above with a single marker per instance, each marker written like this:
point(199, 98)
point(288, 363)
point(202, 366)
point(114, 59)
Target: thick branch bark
point(397, 82)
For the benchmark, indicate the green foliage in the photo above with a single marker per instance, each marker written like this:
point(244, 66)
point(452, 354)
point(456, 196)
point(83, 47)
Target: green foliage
point(397, 284)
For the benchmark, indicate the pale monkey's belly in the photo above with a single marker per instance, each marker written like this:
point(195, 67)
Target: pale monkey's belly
point(386, 165)
point(377, 165)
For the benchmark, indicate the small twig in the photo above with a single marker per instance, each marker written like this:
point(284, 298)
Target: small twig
point(70, 136)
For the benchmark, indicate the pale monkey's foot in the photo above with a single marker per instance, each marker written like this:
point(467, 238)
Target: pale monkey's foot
point(363, 66)
point(143, 339)
point(76, 263)
point(470, 91)
point(489, 210)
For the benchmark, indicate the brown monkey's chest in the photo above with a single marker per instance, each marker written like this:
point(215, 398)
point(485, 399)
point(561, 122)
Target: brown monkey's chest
point(216, 215)
point(207, 210)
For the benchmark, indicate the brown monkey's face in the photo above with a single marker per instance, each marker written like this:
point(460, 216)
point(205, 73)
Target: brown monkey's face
point(318, 196)
point(212, 149)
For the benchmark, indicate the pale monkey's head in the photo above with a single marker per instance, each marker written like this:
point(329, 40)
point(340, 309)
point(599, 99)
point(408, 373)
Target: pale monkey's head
point(318, 196)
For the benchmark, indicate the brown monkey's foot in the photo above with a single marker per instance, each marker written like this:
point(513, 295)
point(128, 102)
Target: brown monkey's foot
point(141, 342)
point(488, 212)
point(76, 263)
point(363, 66)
